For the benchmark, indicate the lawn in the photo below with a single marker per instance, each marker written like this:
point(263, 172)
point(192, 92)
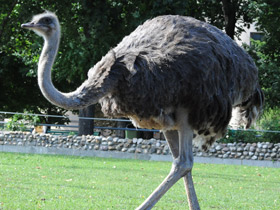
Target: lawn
point(66, 182)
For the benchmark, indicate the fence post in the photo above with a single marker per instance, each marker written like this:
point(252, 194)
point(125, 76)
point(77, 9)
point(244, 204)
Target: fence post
point(86, 126)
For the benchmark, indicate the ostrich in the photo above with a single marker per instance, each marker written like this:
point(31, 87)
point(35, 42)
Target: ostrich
point(173, 73)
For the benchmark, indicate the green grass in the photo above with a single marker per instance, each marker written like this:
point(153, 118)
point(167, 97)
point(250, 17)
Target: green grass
point(66, 182)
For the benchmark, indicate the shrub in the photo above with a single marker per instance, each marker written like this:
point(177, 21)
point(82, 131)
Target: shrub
point(21, 122)
point(270, 121)
point(246, 136)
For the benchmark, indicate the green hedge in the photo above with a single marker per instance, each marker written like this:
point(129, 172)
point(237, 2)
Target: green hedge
point(270, 121)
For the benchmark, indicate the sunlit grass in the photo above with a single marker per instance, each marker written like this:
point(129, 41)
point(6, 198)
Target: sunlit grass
point(67, 182)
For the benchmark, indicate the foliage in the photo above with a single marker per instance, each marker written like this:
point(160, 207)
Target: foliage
point(18, 58)
point(21, 122)
point(269, 73)
point(271, 121)
point(89, 30)
point(267, 15)
point(267, 53)
point(241, 136)
point(268, 123)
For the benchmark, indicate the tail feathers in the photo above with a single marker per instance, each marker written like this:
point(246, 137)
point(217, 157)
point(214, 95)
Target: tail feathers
point(247, 113)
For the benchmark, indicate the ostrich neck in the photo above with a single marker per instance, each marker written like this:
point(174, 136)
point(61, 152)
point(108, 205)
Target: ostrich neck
point(46, 62)
point(64, 100)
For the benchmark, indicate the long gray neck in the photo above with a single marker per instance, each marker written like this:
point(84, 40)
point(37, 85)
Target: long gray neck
point(65, 100)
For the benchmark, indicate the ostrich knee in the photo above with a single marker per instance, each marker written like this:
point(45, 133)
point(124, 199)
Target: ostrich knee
point(182, 166)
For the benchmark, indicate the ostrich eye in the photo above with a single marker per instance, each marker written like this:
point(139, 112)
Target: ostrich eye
point(46, 20)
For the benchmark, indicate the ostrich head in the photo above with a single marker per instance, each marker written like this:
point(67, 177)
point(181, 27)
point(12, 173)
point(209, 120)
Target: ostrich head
point(46, 24)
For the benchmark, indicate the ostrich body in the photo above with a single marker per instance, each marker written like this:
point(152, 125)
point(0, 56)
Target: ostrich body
point(173, 73)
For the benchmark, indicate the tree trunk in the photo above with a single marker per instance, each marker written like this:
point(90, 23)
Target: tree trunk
point(229, 10)
point(86, 126)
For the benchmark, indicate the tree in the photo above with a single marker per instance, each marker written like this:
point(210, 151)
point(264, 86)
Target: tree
point(89, 30)
point(266, 53)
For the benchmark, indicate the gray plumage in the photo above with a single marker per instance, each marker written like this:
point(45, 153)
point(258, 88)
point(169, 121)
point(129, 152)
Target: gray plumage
point(174, 61)
point(172, 73)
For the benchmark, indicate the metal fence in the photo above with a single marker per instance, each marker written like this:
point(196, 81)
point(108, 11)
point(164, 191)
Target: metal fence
point(104, 119)
point(74, 126)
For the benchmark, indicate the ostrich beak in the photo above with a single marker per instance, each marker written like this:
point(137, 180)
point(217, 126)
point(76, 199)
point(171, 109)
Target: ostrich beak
point(28, 25)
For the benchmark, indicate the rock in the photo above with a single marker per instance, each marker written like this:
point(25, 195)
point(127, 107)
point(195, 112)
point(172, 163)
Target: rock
point(126, 145)
point(212, 150)
point(159, 151)
point(238, 154)
point(218, 147)
point(225, 149)
point(121, 141)
point(233, 149)
point(266, 155)
point(145, 151)
point(265, 146)
point(124, 149)
point(199, 154)
point(139, 141)
point(96, 147)
point(134, 140)
point(110, 143)
point(152, 150)
point(115, 140)
point(165, 152)
point(254, 157)
point(104, 147)
point(97, 141)
point(239, 149)
point(264, 150)
point(112, 147)
point(225, 156)
point(270, 145)
point(131, 150)
point(144, 146)
point(233, 154)
point(109, 138)
point(273, 155)
point(251, 154)
point(252, 149)
point(274, 150)
point(158, 144)
point(138, 150)
point(246, 148)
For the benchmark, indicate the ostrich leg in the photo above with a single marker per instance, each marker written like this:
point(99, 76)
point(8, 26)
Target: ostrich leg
point(182, 165)
point(173, 143)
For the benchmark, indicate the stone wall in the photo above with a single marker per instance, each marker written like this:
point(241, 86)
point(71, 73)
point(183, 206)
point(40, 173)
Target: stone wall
point(254, 151)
